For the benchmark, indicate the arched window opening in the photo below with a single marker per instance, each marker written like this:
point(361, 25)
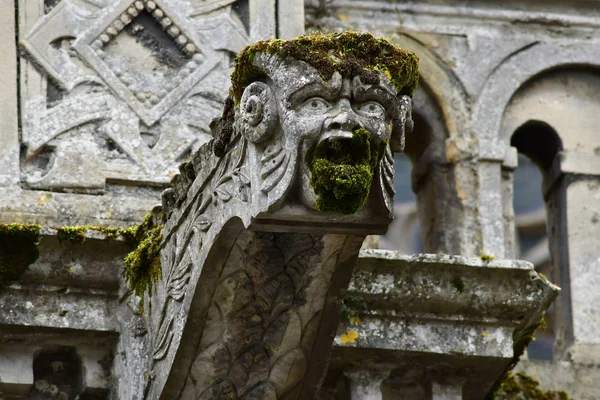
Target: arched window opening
point(538, 141)
point(404, 232)
point(538, 145)
point(422, 163)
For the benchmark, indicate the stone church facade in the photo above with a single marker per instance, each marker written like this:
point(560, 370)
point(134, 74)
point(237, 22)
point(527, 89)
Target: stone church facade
point(106, 115)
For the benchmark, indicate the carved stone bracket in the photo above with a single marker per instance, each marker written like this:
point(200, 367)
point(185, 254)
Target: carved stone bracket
point(253, 266)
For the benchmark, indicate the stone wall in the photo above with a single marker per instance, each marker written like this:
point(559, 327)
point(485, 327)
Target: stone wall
point(103, 100)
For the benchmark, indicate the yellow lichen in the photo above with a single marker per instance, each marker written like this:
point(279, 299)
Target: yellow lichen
point(486, 257)
point(349, 337)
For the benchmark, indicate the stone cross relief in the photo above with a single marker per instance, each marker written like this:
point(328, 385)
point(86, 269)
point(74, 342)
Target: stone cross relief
point(121, 90)
point(264, 224)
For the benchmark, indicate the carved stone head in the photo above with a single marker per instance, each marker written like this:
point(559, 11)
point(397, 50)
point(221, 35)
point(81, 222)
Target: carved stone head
point(319, 113)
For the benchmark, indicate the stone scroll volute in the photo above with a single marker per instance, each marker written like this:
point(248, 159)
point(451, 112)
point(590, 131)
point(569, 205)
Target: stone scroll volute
point(264, 224)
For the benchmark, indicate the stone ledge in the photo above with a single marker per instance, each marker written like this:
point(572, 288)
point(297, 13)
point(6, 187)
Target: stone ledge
point(57, 307)
point(56, 209)
point(428, 310)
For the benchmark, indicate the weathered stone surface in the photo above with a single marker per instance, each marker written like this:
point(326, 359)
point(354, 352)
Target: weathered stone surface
point(426, 313)
point(9, 124)
point(488, 68)
point(65, 304)
point(153, 72)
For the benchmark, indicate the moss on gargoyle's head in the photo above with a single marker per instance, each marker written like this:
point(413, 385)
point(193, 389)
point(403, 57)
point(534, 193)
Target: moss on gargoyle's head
point(18, 249)
point(349, 53)
point(342, 171)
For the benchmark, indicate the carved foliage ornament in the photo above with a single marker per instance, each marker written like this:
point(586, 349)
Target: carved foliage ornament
point(307, 127)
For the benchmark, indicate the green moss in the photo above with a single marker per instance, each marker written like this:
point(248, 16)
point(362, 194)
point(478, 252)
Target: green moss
point(18, 250)
point(350, 53)
point(142, 266)
point(342, 171)
point(458, 285)
point(499, 391)
point(351, 306)
point(522, 387)
point(77, 234)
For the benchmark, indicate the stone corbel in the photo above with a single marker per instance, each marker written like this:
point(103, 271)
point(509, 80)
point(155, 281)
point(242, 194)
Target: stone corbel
point(256, 256)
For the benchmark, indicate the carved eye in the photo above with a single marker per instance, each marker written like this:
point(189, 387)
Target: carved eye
point(315, 105)
point(372, 109)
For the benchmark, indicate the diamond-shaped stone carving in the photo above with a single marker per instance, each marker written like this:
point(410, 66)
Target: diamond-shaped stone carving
point(149, 102)
point(134, 82)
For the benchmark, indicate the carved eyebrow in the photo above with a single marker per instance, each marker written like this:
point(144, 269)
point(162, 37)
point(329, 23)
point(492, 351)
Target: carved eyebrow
point(364, 92)
point(327, 90)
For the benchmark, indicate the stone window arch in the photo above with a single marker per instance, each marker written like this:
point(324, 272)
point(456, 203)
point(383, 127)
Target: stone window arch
point(552, 119)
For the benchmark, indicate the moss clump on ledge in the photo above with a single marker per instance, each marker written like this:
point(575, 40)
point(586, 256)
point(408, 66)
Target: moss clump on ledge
point(486, 257)
point(522, 387)
point(142, 266)
point(349, 53)
point(18, 250)
point(459, 285)
point(342, 171)
point(77, 234)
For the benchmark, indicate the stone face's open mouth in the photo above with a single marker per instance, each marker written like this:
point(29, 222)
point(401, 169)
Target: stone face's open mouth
point(342, 165)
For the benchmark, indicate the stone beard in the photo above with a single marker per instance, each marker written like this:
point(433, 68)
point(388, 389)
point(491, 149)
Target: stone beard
point(337, 131)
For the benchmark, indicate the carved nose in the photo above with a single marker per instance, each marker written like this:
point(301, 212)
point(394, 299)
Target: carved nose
point(346, 120)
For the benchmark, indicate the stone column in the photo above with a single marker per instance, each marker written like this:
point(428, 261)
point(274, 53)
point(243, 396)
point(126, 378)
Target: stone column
point(476, 223)
point(573, 203)
point(511, 162)
point(366, 384)
point(446, 391)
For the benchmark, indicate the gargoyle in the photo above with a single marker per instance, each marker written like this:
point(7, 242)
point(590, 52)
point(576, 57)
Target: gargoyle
point(264, 224)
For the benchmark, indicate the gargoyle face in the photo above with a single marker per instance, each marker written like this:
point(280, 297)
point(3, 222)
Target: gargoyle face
point(322, 139)
point(342, 128)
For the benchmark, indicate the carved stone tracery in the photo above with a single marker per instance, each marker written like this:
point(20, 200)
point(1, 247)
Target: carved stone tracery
point(133, 82)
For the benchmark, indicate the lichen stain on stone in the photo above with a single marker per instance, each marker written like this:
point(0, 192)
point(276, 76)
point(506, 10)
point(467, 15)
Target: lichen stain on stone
point(345, 52)
point(349, 337)
point(342, 171)
point(18, 250)
point(486, 257)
